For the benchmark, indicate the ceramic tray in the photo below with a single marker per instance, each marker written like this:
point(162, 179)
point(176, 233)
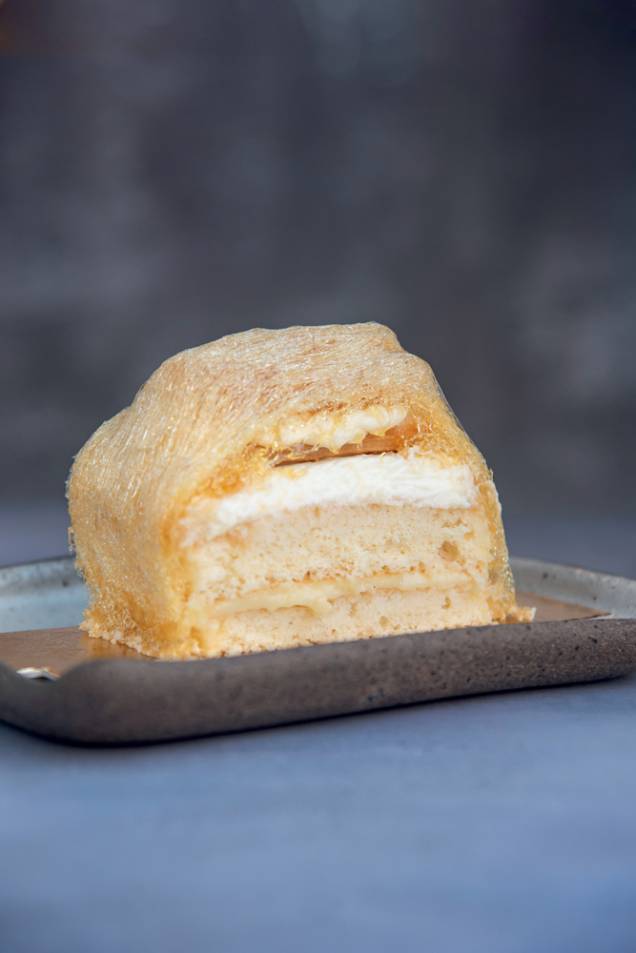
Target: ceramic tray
point(64, 685)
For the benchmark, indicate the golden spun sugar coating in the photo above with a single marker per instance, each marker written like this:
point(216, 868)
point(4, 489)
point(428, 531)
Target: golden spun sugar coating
point(200, 426)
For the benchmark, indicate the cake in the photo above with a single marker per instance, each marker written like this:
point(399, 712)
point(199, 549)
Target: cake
point(284, 488)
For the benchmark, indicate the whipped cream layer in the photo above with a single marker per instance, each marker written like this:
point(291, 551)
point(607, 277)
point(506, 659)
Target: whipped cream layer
point(391, 479)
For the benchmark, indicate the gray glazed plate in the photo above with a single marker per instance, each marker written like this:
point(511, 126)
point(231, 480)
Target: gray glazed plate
point(585, 632)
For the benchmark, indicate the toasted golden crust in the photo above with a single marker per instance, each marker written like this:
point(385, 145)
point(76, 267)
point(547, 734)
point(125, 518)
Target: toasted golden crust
point(202, 425)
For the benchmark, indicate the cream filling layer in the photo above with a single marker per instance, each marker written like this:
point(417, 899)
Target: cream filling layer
point(333, 430)
point(317, 595)
point(391, 479)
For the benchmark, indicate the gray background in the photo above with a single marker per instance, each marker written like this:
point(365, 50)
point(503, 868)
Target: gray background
point(171, 172)
point(464, 171)
point(500, 824)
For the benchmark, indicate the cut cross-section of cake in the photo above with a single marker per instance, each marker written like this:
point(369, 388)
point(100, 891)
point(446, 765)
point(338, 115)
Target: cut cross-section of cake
point(283, 488)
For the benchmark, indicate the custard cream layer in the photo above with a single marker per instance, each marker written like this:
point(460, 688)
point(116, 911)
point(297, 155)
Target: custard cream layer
point(333, 430)
point(318, 595)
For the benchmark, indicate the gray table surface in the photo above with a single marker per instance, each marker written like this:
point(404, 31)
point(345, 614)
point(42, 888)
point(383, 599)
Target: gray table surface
point(501, 823)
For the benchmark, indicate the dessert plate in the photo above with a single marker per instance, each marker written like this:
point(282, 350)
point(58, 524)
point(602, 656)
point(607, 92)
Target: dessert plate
point(57, 682)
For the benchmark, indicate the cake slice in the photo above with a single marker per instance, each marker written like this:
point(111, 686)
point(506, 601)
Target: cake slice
point(282, 488)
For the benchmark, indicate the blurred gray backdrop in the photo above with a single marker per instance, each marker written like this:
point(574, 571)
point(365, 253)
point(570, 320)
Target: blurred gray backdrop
point(464, 172)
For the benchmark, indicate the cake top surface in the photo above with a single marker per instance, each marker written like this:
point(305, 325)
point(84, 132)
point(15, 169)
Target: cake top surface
point(209, 416)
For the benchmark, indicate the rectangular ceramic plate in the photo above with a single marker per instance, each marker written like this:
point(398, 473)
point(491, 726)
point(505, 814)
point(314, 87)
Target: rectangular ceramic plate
point(97, 693)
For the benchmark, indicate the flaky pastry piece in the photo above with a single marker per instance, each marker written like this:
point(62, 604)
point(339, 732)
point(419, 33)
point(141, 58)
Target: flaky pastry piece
point(282, 488)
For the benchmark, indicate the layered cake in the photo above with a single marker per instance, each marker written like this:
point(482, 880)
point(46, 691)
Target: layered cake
point(283, 488)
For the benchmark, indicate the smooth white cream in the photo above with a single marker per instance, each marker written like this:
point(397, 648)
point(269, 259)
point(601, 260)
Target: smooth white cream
point(391, 479)
point(333, 430)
